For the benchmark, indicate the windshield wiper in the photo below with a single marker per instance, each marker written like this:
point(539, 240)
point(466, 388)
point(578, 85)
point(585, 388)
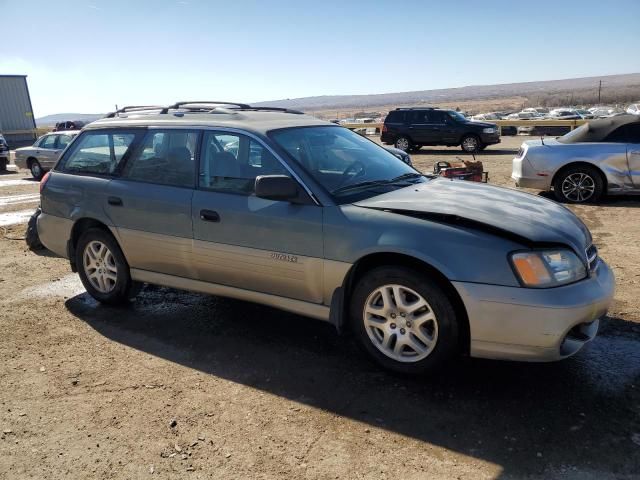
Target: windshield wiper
point(375, 183)
point(405, 176)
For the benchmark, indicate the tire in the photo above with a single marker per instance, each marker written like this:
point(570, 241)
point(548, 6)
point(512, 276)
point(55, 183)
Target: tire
point(403, 143)
point(578, 184)
point(438, 328)
point(470, 144)
point(105, 285)
point(36, 169)
point(31, 237)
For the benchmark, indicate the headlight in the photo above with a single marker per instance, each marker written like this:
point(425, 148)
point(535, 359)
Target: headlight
point(489, 130)
point(548, 268)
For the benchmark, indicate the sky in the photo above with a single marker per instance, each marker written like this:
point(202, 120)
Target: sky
point(85, 57)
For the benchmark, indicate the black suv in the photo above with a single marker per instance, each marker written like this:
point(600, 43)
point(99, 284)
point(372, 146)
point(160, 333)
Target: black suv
point(410, 128)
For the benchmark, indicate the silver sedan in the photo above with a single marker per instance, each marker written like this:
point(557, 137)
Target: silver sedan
point(598, 158)
point(44, 153)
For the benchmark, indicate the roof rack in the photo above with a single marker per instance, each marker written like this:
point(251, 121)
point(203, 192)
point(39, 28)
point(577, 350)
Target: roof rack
point(274, 109)
point(416, 108)
point(200, 106)
point(133, 108)
point(182, 105)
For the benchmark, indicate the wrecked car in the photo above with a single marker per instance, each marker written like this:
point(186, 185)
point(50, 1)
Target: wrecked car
point(311, 218)
point(599, 158)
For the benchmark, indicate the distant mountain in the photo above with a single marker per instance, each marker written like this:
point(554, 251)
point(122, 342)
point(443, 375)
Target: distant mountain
point(576, 89)
point(51, 120)
point(572, 91)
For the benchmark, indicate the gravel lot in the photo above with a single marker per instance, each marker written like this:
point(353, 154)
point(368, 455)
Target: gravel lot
point(180, 385)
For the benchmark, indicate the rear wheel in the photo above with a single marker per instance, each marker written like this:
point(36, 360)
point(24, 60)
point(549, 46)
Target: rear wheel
point(403, 143)
point(403, 320)
point(470, 143)
point(103, 269)
point(36, 169)
point(578, 184)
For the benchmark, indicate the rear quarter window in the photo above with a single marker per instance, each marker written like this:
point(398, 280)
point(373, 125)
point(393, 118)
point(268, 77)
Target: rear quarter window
point(395, 117)
point(98, 152)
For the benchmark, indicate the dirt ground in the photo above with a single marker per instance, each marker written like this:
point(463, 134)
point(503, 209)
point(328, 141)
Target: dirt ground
point(181, 385)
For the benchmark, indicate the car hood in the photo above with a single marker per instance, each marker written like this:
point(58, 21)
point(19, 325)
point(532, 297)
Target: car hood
point(480, 123)
point(529, 219)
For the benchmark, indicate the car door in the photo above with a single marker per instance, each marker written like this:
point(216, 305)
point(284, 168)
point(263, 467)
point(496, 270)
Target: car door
point(420, 128)
point(62, 141)
point(46, 151)
point(633, 153)
point(244, 241)
point(150, 201)
point(446, 129)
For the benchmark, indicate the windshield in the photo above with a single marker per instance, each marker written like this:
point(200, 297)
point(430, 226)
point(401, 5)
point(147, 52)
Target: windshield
point(457, 116)
point(575, 133)
point(346, 164)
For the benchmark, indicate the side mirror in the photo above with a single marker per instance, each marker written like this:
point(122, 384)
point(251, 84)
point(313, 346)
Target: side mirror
point(276, 187)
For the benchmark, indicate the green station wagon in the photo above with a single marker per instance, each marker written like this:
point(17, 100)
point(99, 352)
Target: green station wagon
point(276, 207)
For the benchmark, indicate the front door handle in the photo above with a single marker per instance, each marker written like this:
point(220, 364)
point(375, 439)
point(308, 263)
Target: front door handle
point(209, 216)
point(115, 201)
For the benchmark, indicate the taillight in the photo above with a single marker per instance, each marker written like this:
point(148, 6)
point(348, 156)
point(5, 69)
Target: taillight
point(44, 180)
point(384, 128)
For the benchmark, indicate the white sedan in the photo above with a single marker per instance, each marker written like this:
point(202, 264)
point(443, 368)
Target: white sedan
point(44, 153)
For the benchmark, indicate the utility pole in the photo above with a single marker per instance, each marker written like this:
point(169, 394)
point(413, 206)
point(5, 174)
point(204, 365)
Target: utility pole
point(599, 90)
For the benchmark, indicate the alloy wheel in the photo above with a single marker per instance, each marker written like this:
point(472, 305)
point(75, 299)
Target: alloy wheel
point(400, 323)
point(36, 170)
point(578, 187)
point(470, 144)
point(100, 266)
point(403, 144)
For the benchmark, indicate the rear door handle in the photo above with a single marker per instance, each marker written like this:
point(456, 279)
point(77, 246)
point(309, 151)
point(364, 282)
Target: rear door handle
point(115, 201)
point(209, 216)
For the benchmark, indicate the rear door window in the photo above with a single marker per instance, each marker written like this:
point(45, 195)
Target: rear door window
point(63, 141)
point(98, 152)
point(48, 141)
point(166, 157)
point(421, 116)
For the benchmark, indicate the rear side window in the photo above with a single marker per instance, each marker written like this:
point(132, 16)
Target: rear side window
point(98, 152)
point(395, 116)
point(63, 141)
point(633, 132)
point(619, 135)
point(166, 157)
point(420, 116)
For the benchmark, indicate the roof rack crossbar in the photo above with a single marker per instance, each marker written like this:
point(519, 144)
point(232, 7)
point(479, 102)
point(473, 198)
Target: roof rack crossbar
point(178, 105)
point(133, 108)
point(275, 109)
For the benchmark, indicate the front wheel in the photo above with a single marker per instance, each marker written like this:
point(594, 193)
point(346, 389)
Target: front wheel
point(103, 270)
point(403, 320)
point(36, 170)
point(579, 184)
point(470, 144)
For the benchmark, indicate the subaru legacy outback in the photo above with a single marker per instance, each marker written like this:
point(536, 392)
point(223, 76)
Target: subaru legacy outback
point(276, 207)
